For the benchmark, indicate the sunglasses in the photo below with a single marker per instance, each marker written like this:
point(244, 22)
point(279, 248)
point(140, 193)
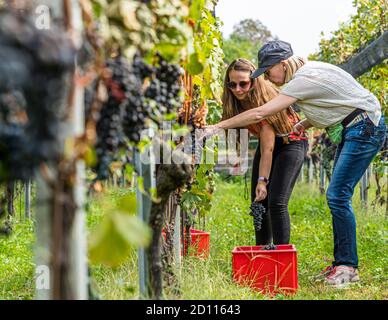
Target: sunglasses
point(242, 84)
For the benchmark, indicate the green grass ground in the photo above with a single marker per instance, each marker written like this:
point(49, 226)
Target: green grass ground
point(230, 225)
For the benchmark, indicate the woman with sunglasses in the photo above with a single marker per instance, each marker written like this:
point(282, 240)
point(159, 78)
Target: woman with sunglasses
point(279, 156)
point(332, 99)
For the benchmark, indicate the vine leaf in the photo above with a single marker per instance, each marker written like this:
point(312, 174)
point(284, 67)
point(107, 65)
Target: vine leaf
point(194, 66)
point(196, 9)
point(111, 242)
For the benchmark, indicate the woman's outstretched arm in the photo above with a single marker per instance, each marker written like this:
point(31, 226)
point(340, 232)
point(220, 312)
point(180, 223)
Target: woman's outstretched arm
point(257, 114)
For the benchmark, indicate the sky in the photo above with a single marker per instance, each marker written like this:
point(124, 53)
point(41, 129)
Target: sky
point(298, 22)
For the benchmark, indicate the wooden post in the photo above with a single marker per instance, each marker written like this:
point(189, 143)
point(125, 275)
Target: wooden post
point(27, 200)
point(144, 204)
point(311, 171)
point(322, 176)
point(177, 236)
point(364, 186)
point(386, 184)
point(11, 198)
point(301, 174)
point(44, 199)
point(47, 276)
point(43, 272)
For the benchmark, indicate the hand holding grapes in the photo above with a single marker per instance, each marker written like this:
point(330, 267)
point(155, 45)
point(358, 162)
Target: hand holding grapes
point(261, 191)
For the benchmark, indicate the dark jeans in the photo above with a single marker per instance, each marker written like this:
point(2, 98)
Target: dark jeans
point(360, 143)
point(286, 164)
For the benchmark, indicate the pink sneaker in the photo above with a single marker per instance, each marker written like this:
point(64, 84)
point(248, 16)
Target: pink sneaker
point(342, 276)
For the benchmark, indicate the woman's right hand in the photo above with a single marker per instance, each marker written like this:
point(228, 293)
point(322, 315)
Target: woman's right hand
point(209, 131)
point(261, 191)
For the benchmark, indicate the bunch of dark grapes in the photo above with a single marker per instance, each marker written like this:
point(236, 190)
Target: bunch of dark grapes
point(258, 212)
point(129, 105)
point(125, 112)
point(34, 69)
point(136, 108)
point(270, 246)
point(164, 88)
point(12, 137)
point(197, 148)
point(141, 69)
point(109, 126)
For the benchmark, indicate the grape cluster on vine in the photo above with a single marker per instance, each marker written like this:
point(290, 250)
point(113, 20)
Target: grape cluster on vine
point(136, 92)
point(164, 89)
point(109, 128)
point(136, 109)
point(33, 69)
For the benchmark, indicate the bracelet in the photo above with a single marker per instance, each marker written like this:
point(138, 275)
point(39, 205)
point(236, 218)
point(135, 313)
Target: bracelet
point(264, 179)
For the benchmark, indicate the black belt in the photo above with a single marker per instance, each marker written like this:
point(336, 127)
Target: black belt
point(349, 118)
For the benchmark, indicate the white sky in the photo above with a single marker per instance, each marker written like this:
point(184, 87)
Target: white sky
point(298, 22)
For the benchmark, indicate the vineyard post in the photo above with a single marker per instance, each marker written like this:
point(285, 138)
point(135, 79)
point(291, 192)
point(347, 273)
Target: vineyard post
point(44, 196)
point(364, 186)
point(146, 171)
point(43, 240)
point(78, 244)
point(27, 200)
point(77, 275)
point(177, 236)
point(301, 174)
point(322, 175)
point(311, 171)
point(386, 184)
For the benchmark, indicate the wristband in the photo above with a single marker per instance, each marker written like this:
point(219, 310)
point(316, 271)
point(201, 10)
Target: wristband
point(264, 179)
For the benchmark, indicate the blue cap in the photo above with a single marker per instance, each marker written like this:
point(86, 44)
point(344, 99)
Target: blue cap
point(270, 54)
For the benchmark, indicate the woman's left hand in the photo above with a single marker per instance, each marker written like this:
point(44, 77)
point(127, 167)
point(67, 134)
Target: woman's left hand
point(261, 191)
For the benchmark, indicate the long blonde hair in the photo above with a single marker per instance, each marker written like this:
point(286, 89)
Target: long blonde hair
point(260, 93)
point(292, 64)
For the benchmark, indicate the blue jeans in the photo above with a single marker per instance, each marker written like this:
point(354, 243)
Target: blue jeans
point(360, 143)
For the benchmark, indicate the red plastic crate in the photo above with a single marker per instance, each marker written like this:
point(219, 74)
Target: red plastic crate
point(199, 243)
point(268, 271)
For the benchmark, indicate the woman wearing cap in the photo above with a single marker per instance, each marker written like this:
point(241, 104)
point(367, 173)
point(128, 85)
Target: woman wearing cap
point(276, 150)
point(332, 99)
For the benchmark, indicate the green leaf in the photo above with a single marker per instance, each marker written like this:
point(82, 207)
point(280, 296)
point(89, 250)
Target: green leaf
point(97, 9)
point(127, 203)
point(112, 240)
point(194, 66)
point(196, 9)
point(129, 172)
point(168, 50)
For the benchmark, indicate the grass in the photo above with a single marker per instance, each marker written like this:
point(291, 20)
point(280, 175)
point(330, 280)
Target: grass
point(230, 225)
point(16, 263)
